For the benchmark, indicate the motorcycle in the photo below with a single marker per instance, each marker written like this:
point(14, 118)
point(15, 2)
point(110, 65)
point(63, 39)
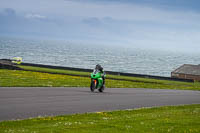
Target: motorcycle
point(97, 81)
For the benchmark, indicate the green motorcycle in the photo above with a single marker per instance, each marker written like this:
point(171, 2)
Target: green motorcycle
point(97, 81)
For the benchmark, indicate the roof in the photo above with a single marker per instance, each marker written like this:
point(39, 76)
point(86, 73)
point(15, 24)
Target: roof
point(188, 69)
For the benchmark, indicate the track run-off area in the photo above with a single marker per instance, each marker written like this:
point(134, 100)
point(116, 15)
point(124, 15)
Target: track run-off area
point(27, 102)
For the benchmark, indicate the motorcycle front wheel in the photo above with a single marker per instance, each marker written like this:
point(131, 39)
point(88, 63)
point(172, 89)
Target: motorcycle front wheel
point(92, 86)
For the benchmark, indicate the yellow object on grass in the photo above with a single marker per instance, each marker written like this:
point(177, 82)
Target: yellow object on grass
point(17, 60)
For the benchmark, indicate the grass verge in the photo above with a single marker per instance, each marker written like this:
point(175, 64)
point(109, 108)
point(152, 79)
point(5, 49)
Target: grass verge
point(19, 78)
point(179, 119)
point(87, 74)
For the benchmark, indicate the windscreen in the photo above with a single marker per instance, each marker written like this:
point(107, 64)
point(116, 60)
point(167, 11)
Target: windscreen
point(95, 71)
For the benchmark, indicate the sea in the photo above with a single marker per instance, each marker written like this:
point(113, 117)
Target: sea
point(81, 55)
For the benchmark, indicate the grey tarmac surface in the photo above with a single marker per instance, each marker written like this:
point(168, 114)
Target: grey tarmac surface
point(27, 102)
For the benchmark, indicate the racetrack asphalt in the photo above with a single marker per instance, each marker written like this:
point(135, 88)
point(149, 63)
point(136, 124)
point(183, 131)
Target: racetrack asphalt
point(27, 102)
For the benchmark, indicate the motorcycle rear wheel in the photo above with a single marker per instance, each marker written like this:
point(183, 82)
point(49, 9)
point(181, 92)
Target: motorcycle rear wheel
point(102, 89)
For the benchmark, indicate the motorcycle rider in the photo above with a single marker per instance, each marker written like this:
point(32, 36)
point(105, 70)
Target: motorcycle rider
point(100, 68)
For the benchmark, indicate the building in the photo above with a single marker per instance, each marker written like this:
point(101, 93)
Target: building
point(187, 71)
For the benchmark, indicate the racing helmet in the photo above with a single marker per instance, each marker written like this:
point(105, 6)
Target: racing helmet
point(98, 66)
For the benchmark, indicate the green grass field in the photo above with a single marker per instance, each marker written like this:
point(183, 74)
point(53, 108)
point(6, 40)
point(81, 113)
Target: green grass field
point(159, 119)
point(172, 119)
point(78, 73)
point(19, 78)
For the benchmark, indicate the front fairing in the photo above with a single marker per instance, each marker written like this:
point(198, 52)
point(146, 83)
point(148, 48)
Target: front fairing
point(96, 74)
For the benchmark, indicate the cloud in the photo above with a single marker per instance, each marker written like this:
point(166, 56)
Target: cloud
point(138, 11)
point(114, 22)
point(9, 12)
point(35, 16)
point(92, 21)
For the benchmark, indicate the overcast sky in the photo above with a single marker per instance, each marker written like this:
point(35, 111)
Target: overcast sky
point(161, 24)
